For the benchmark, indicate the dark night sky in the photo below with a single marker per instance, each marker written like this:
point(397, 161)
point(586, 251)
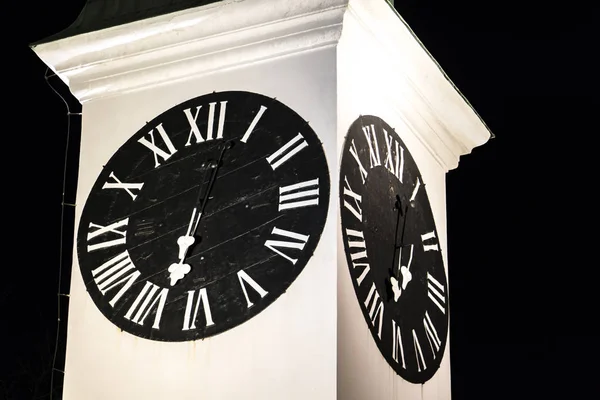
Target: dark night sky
point(520, 249)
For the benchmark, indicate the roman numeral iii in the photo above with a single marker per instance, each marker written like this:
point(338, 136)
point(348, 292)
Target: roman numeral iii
point(301, 194)
point(435, 292)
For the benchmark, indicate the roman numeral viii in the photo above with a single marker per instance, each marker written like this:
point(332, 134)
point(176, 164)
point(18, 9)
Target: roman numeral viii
point(118, 271)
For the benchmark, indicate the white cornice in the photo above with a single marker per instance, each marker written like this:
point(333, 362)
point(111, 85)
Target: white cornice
point(196, 41)
point(235, 33)
point(419, 90)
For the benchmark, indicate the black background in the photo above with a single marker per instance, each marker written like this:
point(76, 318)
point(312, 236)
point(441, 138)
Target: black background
point(520, 217)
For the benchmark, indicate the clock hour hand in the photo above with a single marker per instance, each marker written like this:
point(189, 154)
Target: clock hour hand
point(403, 271)
point(179, 270)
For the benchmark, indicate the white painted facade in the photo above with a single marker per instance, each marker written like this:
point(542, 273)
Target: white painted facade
point(330, 61)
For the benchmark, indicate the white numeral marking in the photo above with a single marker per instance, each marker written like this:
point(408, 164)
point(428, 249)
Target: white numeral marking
point(117, 271)
point(293, 192)
point(145, 302)
point(157, 151)
point(415, 190)
point(253, 124)
point(371, 137)
point(191, 309)
point(272, 244)
point(430, 236)
point(281, 154)
point(436, 292)
point(358, 242)
point(432, 335)
point(418, 352)
point(397, 343)
point(355, 198)
point(102, 230)
point(128, 187)
point(244, 277)
point(195, 130)
point(376, 310)
point(363, 171)
point(394, 160)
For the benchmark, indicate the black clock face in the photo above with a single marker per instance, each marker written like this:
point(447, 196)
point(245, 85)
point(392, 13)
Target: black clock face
point(392, 249)
point(204, 217)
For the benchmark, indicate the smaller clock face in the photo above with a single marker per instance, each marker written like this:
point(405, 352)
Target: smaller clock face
point(204, 217)
point(392, 249)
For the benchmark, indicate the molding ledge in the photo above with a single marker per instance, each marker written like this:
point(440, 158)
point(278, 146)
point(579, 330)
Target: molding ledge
point(424, 97)
point(192, 42)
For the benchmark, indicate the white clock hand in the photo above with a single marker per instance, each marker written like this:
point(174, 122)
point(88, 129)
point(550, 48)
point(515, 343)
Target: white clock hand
point(179, 270)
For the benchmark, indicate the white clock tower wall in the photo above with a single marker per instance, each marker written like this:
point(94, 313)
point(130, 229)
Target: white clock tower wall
point(288, 350)
point(329, 61)
point(383, 71)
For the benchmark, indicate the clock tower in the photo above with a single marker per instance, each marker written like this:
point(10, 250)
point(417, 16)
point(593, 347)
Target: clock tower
point(260, 208)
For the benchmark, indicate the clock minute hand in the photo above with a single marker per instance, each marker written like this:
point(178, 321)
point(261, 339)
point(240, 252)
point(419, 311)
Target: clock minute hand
point(179, 270)
point(215, 168)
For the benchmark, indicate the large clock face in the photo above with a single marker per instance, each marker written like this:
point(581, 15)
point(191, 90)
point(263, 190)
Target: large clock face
point(392, 249)
point(204, 217)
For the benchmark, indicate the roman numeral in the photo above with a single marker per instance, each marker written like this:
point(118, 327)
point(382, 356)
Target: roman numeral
point(436, 293)
point(157, 151)
point(356, 240)
point(394, 159)
point(430, 237)
point(376, 308)
point(253, 124)
point(287, 151)
point(128, 187)
point(356, 199)
point(151, 296)
point(418, 352)
point(117, 271)
point(244, 277)
point(363, 171)
point(415, 190)
point(397, 344)
point(371, 137)
point(103, 230)
point(299, 244)
point(432, 335)
point(191, 309)
point(288, 195)
point(195, 130)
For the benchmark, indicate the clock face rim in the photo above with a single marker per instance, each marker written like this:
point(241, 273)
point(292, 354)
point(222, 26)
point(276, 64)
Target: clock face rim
point(324, 186)
point(418, 377)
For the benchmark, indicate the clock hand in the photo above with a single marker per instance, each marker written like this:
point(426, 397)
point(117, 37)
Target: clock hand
point(178, 270)
point(402, 270)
